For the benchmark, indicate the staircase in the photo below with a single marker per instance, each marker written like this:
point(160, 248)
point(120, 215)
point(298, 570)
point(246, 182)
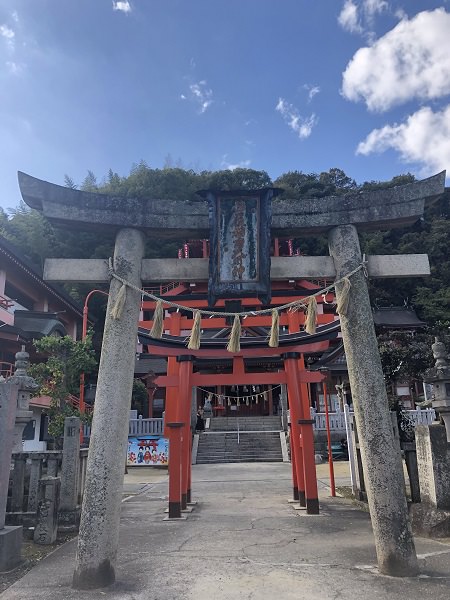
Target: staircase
point(245, 424)
point(258, 440)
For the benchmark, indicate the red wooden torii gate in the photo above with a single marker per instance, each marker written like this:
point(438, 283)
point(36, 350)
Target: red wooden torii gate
point(181, 378)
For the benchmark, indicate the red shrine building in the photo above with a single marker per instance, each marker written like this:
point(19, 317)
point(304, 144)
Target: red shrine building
point(31, 308)
point(253, 398)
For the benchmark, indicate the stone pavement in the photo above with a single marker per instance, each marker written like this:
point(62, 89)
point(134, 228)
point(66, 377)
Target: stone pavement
point(243, 540)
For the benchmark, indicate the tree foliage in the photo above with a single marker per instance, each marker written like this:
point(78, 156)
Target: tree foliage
point(139, 396)
point(58, 375)
point(405, 354)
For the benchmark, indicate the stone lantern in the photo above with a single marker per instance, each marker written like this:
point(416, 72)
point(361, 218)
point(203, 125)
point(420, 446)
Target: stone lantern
point(27, 385)
point(439, 377)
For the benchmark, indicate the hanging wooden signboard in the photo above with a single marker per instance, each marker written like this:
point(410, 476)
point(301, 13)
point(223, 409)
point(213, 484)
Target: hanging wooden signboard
point(239, 262)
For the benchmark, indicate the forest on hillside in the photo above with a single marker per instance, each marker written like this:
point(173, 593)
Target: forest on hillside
point(430, 296)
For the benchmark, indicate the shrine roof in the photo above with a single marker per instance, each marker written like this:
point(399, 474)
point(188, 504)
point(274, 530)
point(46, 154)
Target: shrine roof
point(397, 317)
point(323, 332)
point(24, 264)
point(377, 209)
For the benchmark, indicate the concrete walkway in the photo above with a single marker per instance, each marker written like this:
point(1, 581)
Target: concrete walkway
point(243, 540)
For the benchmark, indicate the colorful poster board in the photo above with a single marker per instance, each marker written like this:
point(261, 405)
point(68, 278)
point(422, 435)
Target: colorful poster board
point(147, 451)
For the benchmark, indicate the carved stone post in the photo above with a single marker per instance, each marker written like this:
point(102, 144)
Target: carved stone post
point(69, 512)
point(380, 454)
point(46, 530)
point(99, 527)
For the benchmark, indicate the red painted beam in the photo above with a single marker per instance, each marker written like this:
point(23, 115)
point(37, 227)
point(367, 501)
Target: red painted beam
point(215, 379)
point(203, 303)
point(245, 352)
point(259, 321)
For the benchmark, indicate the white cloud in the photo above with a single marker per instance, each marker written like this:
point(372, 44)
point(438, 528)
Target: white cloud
point(244, 164)
point(6, 32)
point(123, 6)
point(401, 13)
point(202, 95)
point(14, 68)
point(359, 16)
point(312, 90)
point(373, 7)
point(410, 61)
point(9, 36)
point(348, 18)
point(424, 138)
point(300, 125)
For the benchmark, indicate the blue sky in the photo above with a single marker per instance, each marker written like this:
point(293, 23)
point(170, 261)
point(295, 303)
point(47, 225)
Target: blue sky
point(278, 85)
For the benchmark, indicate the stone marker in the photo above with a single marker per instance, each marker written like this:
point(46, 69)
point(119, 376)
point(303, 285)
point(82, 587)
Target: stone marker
point(432, 516)
point(433, 458)
point(10, 537)
point(46, 529)
point(70, 464)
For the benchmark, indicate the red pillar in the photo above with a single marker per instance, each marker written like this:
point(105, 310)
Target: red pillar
point(299, 422)
point(330, 452)
point(184, 411)
point(296, 449)
point(295, 494)
point(189, 489)
point(295, 414)
point(276, 247)
point(307, 434)
point(175, 429)
point(171, 416)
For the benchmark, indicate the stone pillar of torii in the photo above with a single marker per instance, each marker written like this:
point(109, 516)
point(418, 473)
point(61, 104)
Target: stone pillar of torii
point(341, 218)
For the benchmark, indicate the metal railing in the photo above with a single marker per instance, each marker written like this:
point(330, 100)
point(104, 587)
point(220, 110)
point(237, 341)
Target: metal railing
point(337, 419)
point(142, 426)
point(160, 290)
point(6, 369)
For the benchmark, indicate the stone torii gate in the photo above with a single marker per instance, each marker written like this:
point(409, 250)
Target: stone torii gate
point(341, 218)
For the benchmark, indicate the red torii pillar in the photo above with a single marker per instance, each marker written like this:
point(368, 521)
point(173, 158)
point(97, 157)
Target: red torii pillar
point(175, 433)
point(173, 428)
point(184, 412)
point(307, 434)
point(298, 476)
point(302, 432)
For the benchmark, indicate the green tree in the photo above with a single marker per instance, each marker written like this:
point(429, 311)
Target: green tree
point(237, 179)
point(30, 231)
point(139, 396)
point(69, 182)
point(58, 375)
point(89, 183)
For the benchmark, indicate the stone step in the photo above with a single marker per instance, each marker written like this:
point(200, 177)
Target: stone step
point(222, 447)
point(236, 460)
point(245, 423)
